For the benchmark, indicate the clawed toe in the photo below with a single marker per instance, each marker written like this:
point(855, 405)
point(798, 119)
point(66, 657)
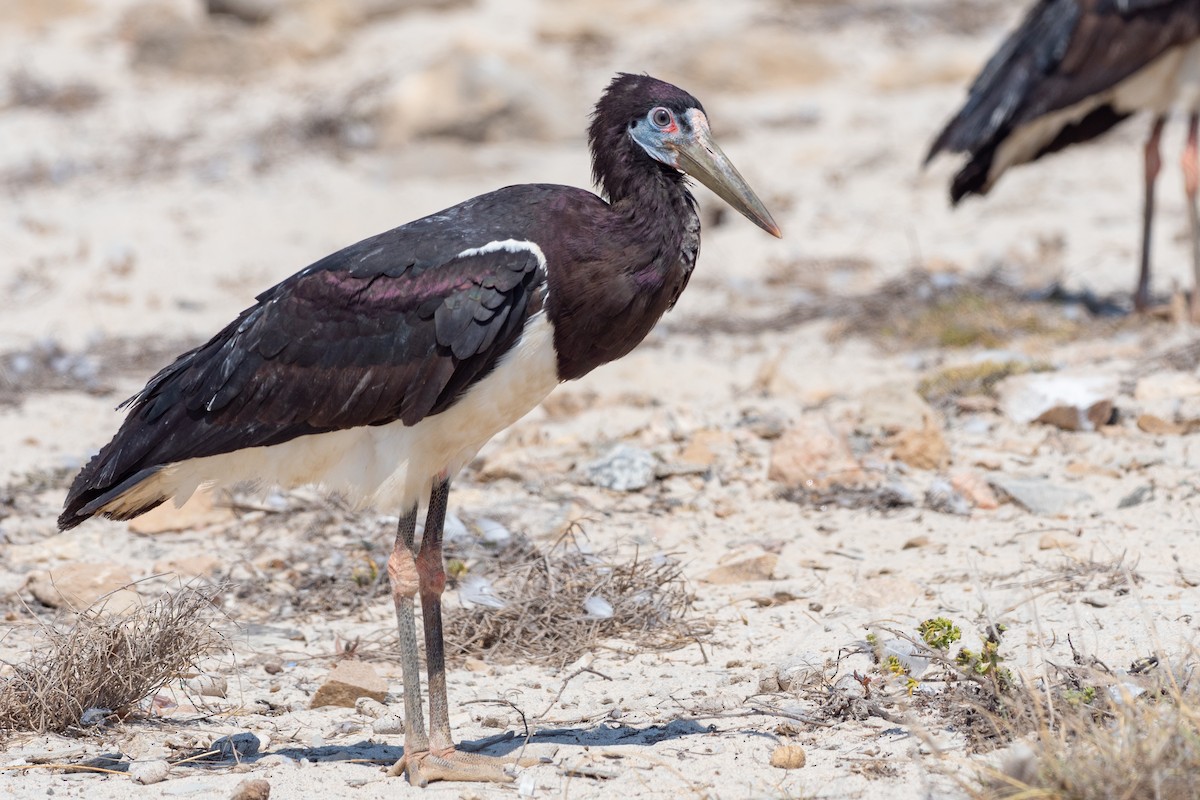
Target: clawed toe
point(424, 767)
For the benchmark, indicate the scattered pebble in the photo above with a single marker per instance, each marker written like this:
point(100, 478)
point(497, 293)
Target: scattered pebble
point(370, 707)
point(1071, 402)
point(237, 746)
point(788, 756)
point(252, 789)
point(348, 681)
point(942, 497)
point(388, 725)
point(478, 665)
point(1038, 495)
point(1136, 497)
point(758, 568)
point(975, 489)
point(147, 772)
point(622, 469)
point(208, 686)
point(1052, 540)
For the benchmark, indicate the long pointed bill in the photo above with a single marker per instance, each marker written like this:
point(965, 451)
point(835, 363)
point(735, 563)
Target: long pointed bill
point(703, 160)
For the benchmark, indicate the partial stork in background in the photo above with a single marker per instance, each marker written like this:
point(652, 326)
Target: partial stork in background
point(1072, 70)
point(379, 371)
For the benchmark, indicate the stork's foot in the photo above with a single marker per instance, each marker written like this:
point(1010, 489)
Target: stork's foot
point(425, 767)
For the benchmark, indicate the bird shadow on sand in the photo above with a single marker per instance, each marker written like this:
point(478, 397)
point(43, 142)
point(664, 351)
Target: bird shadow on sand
point(371, 753)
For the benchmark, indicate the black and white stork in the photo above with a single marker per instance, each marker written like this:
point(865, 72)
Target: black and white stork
point(379, 371)
point(1072, 70)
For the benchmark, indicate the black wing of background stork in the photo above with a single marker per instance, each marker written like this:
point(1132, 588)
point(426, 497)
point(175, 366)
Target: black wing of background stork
point(1064, 53)
point(392, 328)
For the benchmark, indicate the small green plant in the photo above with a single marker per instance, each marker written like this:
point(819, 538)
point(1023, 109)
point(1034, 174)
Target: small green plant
point(1080, 697)
point(939, 632)
point(986, 662)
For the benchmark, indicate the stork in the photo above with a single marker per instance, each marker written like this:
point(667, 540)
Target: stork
point(379, 371)
point(1072, 70)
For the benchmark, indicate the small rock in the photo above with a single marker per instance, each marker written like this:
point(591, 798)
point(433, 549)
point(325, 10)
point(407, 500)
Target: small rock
point(1157, 426)
point(788, 756)
point(1039, 496)
point(497, 721)
point(1073, 418)
point(348, 681)
point(208, 685)
point(1054, 541)
point(813, 455)
point(622, 469)
point(369, 707)
point(147, 772)
point(758, 568)
point(477, 665)
point(1136, 497)
point(1085, 398)
point(80, 586)
point(975, 488)
point(238, 746)
point(768, 681)
point(796, 674)
point(769, 426)
point(388, 725)
point(941, 497)
point(915, 542)
point(252, 789)
point(272, 665)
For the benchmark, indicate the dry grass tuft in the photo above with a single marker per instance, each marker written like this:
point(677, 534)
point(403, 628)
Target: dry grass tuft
point(1105, 744)
point(1084, 731)
point(107, 663)
point(544, 619)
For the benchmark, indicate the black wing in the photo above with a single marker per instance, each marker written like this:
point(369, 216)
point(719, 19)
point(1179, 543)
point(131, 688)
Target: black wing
point(1064, 52)
point(363, 337)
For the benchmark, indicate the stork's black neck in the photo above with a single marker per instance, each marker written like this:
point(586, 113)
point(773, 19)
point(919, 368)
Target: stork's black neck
point(626, 262)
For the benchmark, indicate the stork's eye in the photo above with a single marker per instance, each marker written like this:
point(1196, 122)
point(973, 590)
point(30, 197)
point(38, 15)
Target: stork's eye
point(661, 117)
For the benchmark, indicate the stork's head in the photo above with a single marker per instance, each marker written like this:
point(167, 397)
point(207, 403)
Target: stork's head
point(655, 122)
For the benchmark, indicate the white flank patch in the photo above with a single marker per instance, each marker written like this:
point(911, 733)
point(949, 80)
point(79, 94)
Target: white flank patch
point(389, 466)
point(1170, 82)
point(508, 246)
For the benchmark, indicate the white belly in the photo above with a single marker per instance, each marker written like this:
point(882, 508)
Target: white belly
point(1187, 81)
point(1169, 83)
point(389, 466)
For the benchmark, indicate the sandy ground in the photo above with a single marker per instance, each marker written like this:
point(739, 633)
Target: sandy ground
point(159, 168)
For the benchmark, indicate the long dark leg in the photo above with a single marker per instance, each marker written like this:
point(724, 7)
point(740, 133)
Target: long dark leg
point(1141, 297)
point(432, 571)
point(1191, 183)
point(442, 762)
point(402, 570)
